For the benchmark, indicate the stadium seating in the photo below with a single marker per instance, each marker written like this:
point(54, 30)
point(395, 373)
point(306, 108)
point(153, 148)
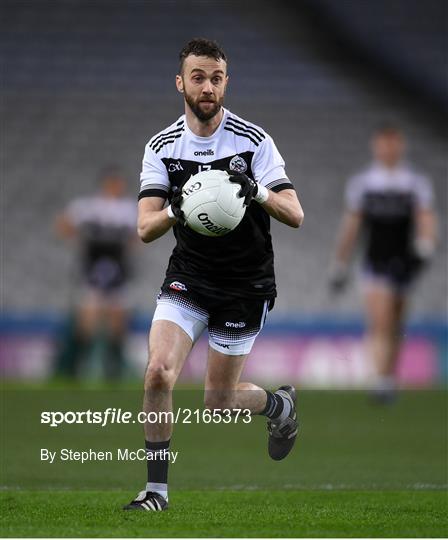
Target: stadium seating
point(87, 83)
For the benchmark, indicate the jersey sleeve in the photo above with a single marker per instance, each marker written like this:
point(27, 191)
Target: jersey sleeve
point(424, 193)
point(154, 181)
point(354, 192)
point(77, 211)
point(268, 167)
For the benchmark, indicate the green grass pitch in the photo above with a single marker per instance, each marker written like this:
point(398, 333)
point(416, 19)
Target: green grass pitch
point(357, 470)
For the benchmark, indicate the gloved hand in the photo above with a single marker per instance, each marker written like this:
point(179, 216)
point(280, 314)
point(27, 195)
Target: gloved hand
point(338, 277)
point(175, 205)
point(249, 188)
point(423, 253)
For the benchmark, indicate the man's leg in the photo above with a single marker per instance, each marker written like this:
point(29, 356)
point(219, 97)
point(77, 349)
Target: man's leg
point(230, 345)
point(169, 346)
point(384, 310)
point(399, 314)
point(116, 317)
point(68, 349)
point(89, 320)
point(223, 389)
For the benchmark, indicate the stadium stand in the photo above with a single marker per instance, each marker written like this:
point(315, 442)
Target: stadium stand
point(87, 83)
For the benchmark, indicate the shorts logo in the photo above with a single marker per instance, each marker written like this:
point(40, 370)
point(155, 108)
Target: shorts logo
point(235, 324)
point(178, 286)
point(223, 345)
point(238, 164)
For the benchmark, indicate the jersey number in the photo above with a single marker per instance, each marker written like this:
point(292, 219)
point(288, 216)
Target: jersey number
point(204, 168)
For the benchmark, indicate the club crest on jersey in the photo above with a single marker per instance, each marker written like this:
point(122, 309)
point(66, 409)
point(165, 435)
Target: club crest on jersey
point(178, 286)
point(238, 164)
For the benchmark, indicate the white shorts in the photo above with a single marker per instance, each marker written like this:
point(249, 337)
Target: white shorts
point(233, 331)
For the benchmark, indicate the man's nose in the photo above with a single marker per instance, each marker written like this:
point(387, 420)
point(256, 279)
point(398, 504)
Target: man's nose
point(207, 88)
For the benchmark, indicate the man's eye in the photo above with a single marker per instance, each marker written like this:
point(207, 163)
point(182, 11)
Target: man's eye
point(197, 79)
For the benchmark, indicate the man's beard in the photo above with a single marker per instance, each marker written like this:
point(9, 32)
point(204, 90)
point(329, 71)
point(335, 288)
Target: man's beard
point(202, 115)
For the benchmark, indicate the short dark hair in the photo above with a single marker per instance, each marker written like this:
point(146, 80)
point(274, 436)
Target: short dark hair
point(201, 47)
point(111, 170)
point(388, 128)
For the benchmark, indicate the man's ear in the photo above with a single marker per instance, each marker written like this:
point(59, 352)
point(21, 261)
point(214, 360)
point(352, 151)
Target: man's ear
point(179, 84)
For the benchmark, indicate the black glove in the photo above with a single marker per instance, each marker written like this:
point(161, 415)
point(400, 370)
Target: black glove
point(338, 278)
point(249, 188)
point(176, 203)
point(418, 264)
point(422, 255)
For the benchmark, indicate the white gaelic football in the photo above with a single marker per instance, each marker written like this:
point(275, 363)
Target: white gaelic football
point(210, 203)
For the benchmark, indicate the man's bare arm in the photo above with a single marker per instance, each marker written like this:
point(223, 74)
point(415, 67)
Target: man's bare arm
point(153, 220)
point(345, 245)
point(285, 207)
point(426, 233)
point(65, 227)
point(347, 237)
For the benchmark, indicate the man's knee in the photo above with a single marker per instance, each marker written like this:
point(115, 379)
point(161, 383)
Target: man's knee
point(160, 375)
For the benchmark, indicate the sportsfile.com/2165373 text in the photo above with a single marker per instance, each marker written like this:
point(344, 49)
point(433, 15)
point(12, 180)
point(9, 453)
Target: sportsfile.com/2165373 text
point(113, 415)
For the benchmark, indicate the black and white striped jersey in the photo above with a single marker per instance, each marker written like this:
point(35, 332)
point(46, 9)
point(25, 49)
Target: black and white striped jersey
point(388, 200)
point(242, 262)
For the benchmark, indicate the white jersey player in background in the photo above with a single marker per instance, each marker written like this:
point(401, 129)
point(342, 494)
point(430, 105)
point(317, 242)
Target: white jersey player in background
point(225, 284)
point(103, 224)
point(393, 205)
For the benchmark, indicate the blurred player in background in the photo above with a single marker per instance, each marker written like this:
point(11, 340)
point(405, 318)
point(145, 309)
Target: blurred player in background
point(104, 226)
point(225, 284)
point(393, 205)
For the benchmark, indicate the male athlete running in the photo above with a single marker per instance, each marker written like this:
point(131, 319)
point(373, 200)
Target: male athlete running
point(226, 284)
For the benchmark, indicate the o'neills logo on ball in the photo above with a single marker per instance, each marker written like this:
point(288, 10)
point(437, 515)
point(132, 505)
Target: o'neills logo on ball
point(209, 225)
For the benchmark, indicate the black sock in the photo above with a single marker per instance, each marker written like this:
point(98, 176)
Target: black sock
point(158, 467)
point(274, 405)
